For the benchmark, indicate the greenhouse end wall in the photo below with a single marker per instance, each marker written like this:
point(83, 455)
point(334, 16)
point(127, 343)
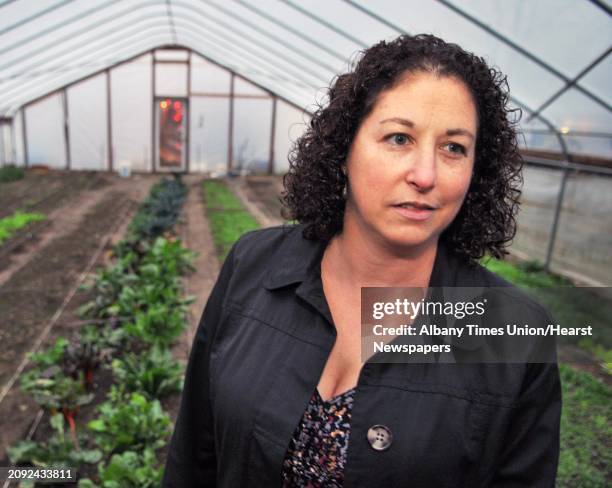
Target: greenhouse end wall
point(112, 119)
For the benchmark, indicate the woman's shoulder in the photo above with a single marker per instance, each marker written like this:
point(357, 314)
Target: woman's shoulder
point(475, 275)
point(266, 242)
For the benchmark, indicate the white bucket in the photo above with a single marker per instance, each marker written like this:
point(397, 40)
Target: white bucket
point(125, 168)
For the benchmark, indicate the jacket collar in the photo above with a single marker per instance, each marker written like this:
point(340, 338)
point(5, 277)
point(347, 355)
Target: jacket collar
point(299, 257)
point(299, 262)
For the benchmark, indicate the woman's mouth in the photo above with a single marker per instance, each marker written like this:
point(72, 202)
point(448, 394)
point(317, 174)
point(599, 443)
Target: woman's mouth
point(415, 210)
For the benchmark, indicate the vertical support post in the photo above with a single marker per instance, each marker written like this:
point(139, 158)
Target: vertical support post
point(66, 128)
point(153, 149)
point(2, 148)
point(188, 112)
point(26, 159)
point(230, 137)
point(13, 142)
point(555, 225)
point(109, 121)
point(559, 205)
point(272, 137)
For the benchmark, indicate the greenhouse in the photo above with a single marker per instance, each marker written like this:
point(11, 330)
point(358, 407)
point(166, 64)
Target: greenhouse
point(140, 139)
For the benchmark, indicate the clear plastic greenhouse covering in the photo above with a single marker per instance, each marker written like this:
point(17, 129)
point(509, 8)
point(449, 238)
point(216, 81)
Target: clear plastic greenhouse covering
point(86, 84)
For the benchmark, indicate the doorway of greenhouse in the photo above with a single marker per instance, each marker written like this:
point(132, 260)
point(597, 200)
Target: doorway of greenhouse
point(171, 134)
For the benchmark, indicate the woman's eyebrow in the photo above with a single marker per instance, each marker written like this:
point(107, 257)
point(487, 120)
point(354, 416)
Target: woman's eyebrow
point(459, 132)
point(399, 120)
point(410, 123)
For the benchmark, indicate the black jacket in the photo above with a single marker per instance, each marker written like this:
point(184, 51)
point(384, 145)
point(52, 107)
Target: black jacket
point(259, 352)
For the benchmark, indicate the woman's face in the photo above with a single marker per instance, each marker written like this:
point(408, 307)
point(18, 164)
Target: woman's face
point(410, 164)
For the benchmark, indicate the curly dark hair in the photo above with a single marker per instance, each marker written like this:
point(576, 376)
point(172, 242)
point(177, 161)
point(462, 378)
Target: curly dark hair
point(315, 180)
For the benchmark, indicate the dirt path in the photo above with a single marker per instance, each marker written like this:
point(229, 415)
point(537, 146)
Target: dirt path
point(62, 221)
point(37, 297)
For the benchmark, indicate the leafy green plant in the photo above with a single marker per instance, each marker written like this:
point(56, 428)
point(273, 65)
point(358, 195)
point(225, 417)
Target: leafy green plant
point(586, 457)
point(55, 391)
point(57, 452)
point(52, 387)
point(153, 372)
point(11, 173)
point(130, 423)
point(128, 470)
point(11, 224)
point(159, 212)
point(107, 338)
point(169, 256)
point(228, 218)
point(107, 286)
point(159, 324)
point(84, 354)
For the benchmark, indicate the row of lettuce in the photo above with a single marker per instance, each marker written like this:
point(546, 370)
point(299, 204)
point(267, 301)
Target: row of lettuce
point(136, 312)
point(11, 224)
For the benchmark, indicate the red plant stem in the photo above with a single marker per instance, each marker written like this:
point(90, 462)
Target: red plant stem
point(88, 378)
point(69, 416)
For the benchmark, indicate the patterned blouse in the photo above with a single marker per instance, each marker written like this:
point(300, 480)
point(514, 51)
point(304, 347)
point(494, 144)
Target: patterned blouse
point(317, 451)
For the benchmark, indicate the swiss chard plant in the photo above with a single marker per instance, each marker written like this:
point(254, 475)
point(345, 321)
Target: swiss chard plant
point(59, 451)
point(128, 470)
point(154, 373)
point(130, 423)
point(52, 387)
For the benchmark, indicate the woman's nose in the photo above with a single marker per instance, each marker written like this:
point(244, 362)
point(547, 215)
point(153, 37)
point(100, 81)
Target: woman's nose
point(421, 171)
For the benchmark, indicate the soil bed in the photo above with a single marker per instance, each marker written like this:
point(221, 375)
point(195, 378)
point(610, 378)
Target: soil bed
point(33, 294)
point(46, 192)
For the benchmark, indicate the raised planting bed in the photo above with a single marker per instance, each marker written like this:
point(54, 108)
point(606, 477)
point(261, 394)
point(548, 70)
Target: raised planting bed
point(227, 216)
point(102, 388)
point(46, 192)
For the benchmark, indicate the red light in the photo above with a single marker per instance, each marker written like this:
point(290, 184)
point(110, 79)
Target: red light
point(177, 117)
point(177, 105)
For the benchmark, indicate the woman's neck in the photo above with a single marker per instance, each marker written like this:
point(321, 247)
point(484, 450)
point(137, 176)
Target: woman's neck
point(355, 258)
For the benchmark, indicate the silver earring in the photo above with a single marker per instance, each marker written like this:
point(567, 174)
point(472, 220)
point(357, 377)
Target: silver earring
point(344, 191)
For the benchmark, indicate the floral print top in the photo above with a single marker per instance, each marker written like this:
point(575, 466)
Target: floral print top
point(317, 451)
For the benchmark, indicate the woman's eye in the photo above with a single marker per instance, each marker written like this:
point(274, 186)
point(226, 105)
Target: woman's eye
point(456, 148)
point(398, 139)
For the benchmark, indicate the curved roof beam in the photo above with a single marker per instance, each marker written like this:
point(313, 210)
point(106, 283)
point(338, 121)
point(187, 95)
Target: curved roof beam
point(375, 16)
point(111, 47)
point(329, 25)
point(399, 30)
point(33, 16)
point(223, 65)
point(295, 32)
point(171, 21)
point(104, 45)
point(573, 82)
point(84, 30)
point(602, 5)
point(5, 3)
point(129, 56)
point(522, 51)
point(87, 29)
point(57, 26)
point(61, 82)
point(297, 76)
point(103, 38)
point(279, 54)
point(263, 32)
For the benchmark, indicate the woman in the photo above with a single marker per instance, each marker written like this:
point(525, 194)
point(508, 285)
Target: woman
point(405, 178)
